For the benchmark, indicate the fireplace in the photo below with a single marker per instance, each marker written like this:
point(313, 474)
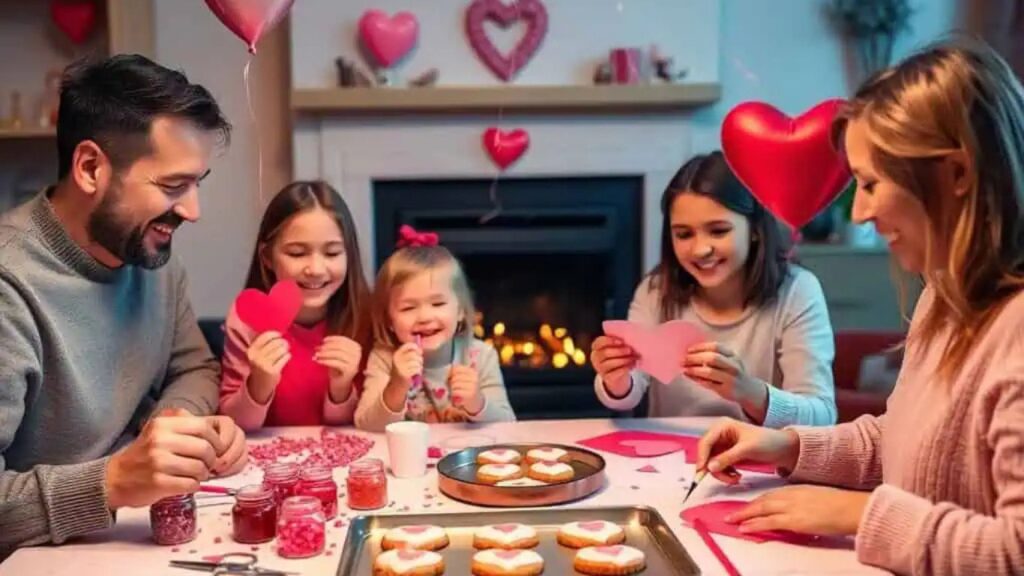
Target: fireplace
point(548, 259)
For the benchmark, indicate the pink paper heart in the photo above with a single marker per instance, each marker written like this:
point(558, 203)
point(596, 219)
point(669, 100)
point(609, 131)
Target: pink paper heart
point(661, 348)
point(595, 526)
point(388, 38)
point(275, 311)
point(648, 469)
point(648, 448)
point(506, 528)
point(713, 516)
point(508, 554)
point(409, 554)
point(609, 550)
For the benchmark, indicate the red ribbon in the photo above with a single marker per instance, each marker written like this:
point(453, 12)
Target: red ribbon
point(410, 238)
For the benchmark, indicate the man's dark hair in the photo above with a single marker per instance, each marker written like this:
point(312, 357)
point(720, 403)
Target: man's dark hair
point(114, 101)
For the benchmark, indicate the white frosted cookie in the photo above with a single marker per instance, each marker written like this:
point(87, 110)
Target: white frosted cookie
point(547, 454)
point(506, 536)
point(494, 473)
point(406, 562)
point(550, 471)
point(420, 537)
point(499, 456)
point(592, 533)
point(521, 482)
point(507, 563)
point(609, 560)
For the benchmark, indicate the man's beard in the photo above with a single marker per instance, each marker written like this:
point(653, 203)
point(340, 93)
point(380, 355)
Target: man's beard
point(110, 230)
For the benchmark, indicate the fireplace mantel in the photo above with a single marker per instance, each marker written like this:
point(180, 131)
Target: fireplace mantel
point(476, 99)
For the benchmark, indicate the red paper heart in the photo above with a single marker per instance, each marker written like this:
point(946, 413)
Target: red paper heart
point(649, 469)
point(789, 164)
point(713, 516)
point(595, 526)
point(388, 38)
point(275, 311)
point(506, 528)
point(530, 11)
point(506, 147)
point(409, 554)
point(75, 18)
point(508, 554)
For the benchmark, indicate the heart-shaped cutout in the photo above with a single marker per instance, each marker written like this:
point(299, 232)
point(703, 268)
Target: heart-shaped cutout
point(388, 38)
point(504, 147)
point(504, 15)
point(75, 18)
point(595, 526)
point(661, 348)
point(275, 311)
point(508, 554)
point(612, 551)
point(408, 554)
point(789, 164)
point(652, 448)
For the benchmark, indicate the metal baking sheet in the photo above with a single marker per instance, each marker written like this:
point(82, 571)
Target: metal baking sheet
point(645, 529)
point(457, 478)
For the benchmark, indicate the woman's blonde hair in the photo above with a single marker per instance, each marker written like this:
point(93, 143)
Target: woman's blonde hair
point(403, 265)
point(954, 97)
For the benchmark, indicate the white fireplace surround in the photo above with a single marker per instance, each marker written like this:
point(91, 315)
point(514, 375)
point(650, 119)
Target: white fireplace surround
point(351, 154)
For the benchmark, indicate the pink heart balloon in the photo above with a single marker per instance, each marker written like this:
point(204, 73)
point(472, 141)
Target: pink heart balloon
point(388, 38)
point(250, 19)
point(661, 348)
point(531, 11)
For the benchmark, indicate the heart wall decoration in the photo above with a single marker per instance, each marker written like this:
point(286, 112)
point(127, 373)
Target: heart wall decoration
point(388, 38)
point(506, 66)
point(75, 18)
point(505, 147)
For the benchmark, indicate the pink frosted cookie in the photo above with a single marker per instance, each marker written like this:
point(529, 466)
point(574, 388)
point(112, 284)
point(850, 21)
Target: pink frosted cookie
point(494, 473)
point(609, 560)
point(593, 533)
point(547, 454)
point(506, 536)
point(507, 563)
point(405, 562)
point(423, 537)
point(499, 456)
point(550, 471)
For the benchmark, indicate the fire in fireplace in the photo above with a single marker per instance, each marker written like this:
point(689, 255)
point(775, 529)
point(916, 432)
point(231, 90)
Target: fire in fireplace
point(560, 256)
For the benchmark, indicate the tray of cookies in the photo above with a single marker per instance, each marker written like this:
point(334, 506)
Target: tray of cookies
point(521, 475)
point(610, 541)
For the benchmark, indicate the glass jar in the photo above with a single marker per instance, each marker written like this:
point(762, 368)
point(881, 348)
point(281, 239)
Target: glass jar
point(282, 478)
point(173, 520)
point(367, 485)
point(254, 516)
point(301, 529)
point(317, 481)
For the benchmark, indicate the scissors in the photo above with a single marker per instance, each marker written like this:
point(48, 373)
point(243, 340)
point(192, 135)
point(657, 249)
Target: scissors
point(233, 564)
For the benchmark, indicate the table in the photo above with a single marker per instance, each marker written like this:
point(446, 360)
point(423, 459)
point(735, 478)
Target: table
point(127, 549)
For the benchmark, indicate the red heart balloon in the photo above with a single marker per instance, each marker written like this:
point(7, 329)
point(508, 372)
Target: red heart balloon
point(789, 164)
point(275, 311)
point(249, 19)
point(506, 147)
point(388, 38)
point(75, 18)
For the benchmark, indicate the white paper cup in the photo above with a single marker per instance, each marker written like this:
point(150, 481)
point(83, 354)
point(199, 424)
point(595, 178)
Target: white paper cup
point(408, 443)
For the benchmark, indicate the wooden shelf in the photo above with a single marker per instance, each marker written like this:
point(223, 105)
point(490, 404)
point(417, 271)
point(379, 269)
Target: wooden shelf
point(540, 99)
point(27, 132)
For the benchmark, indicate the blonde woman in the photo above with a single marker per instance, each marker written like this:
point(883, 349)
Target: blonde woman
point(936, 485)
point(426, 365)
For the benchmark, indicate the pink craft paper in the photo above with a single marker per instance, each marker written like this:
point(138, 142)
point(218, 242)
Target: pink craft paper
point(640, 444)
point(274, 311)
point(713, 516)
point(661, 348)
point(649, 469)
